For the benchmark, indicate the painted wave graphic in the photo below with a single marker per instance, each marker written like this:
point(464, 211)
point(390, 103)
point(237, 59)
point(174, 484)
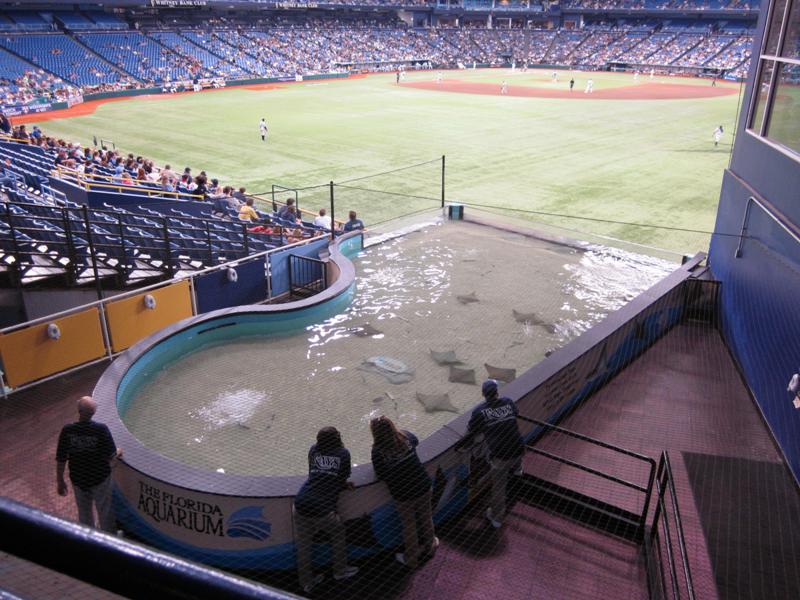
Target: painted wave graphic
point(249, 522)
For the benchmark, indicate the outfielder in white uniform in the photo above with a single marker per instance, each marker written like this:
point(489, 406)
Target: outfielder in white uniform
point(262, 127)
point(504, 88)
point(589, 87)
point(718, 135)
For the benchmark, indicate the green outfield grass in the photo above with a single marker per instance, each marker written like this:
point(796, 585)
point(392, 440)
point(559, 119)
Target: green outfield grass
point(632, 161)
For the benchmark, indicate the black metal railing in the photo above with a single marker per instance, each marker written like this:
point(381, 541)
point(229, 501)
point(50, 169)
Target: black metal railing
point(307, 276)
point(115, 564)
point(667, 541)
point(617, 520)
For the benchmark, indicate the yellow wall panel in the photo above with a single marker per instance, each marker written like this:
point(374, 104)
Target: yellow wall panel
point(129, 320)
point(30, 354)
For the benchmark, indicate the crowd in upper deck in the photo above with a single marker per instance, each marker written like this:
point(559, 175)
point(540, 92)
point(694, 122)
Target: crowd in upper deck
point(53, 65)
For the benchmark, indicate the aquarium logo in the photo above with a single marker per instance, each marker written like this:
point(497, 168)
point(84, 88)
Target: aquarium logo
point(249, 522)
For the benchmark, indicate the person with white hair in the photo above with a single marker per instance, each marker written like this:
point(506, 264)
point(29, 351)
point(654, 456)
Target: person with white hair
point(88, 448)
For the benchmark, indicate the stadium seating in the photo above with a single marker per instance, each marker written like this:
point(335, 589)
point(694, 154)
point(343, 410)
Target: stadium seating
point(185, 48)
point(60, 54)
point(138, 55)
point(198, 61)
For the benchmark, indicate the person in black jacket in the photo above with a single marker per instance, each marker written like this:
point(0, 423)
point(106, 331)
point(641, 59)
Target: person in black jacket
point(496, 419)
point(315, 507)
point(395, 460)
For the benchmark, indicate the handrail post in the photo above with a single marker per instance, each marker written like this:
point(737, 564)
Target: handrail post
point(167, 248)
point(647, 496)
point(70, 245)
point(208, 239)
point(92, 253)
point(333, 221)
point(124, 270)
point(443, 171)
point(15, 242)
point(246, 238)
point(745, 219)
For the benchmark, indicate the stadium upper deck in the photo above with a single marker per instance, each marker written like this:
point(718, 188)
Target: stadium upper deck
point(48, 56)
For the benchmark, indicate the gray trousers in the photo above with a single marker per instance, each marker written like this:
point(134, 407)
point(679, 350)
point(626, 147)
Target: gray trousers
point(100, 496)
point(499, 478)
point(411, 513)
point(305, 530)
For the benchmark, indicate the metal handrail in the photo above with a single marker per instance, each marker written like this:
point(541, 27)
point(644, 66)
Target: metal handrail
point(745, 221)
point(646, 490)
point(115, 564)
point(665, 484)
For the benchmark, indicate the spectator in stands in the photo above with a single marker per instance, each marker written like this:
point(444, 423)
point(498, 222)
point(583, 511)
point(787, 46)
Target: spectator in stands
point(202, 184)
point(6, 173)
point(91, 453)
point(167, 179)
point(5, 124)
point(283, 213)
point(247, 212)
point(119, 172)
point(496, 419)
point(214, 189)
point(395, 460)
point(322, 219)
point(315, 507)
point(240, 195)
point(353, 224)
point(20, 133)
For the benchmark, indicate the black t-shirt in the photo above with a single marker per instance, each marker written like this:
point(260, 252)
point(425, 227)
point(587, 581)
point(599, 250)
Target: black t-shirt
point(87, 447)
point(402, 471)
point(327, 476)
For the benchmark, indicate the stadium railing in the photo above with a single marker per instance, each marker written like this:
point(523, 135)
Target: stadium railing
point(666, 533)
point(113, 564)
point(96, 181)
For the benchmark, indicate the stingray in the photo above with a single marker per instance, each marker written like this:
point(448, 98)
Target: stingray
point(501, 374)
point(436, 402)
point(445, 358)
point(534, 319)
point(391, 368)
point(468, 299)
point(458, 375)
point(366, 330)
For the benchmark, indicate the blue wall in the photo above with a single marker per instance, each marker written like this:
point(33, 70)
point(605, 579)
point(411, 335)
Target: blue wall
point(279, 264)
point(215, 290)
point(761, 289)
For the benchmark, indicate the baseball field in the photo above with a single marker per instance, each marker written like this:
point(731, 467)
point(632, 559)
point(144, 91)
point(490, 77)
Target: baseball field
point(634, 152)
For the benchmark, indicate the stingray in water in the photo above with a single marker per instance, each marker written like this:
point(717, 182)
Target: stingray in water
point(366, 330)
point(468, 298)
point(501, 374)
point(445, 358)
point(436, 402)
point(534, 319)
point(458, 375)
point(391, 368)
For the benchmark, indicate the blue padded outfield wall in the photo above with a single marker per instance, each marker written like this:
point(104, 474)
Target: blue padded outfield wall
point(760, 292)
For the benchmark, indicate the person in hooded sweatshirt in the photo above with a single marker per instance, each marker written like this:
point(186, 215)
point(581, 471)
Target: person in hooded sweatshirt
point(496, 419)
point(315, 507)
